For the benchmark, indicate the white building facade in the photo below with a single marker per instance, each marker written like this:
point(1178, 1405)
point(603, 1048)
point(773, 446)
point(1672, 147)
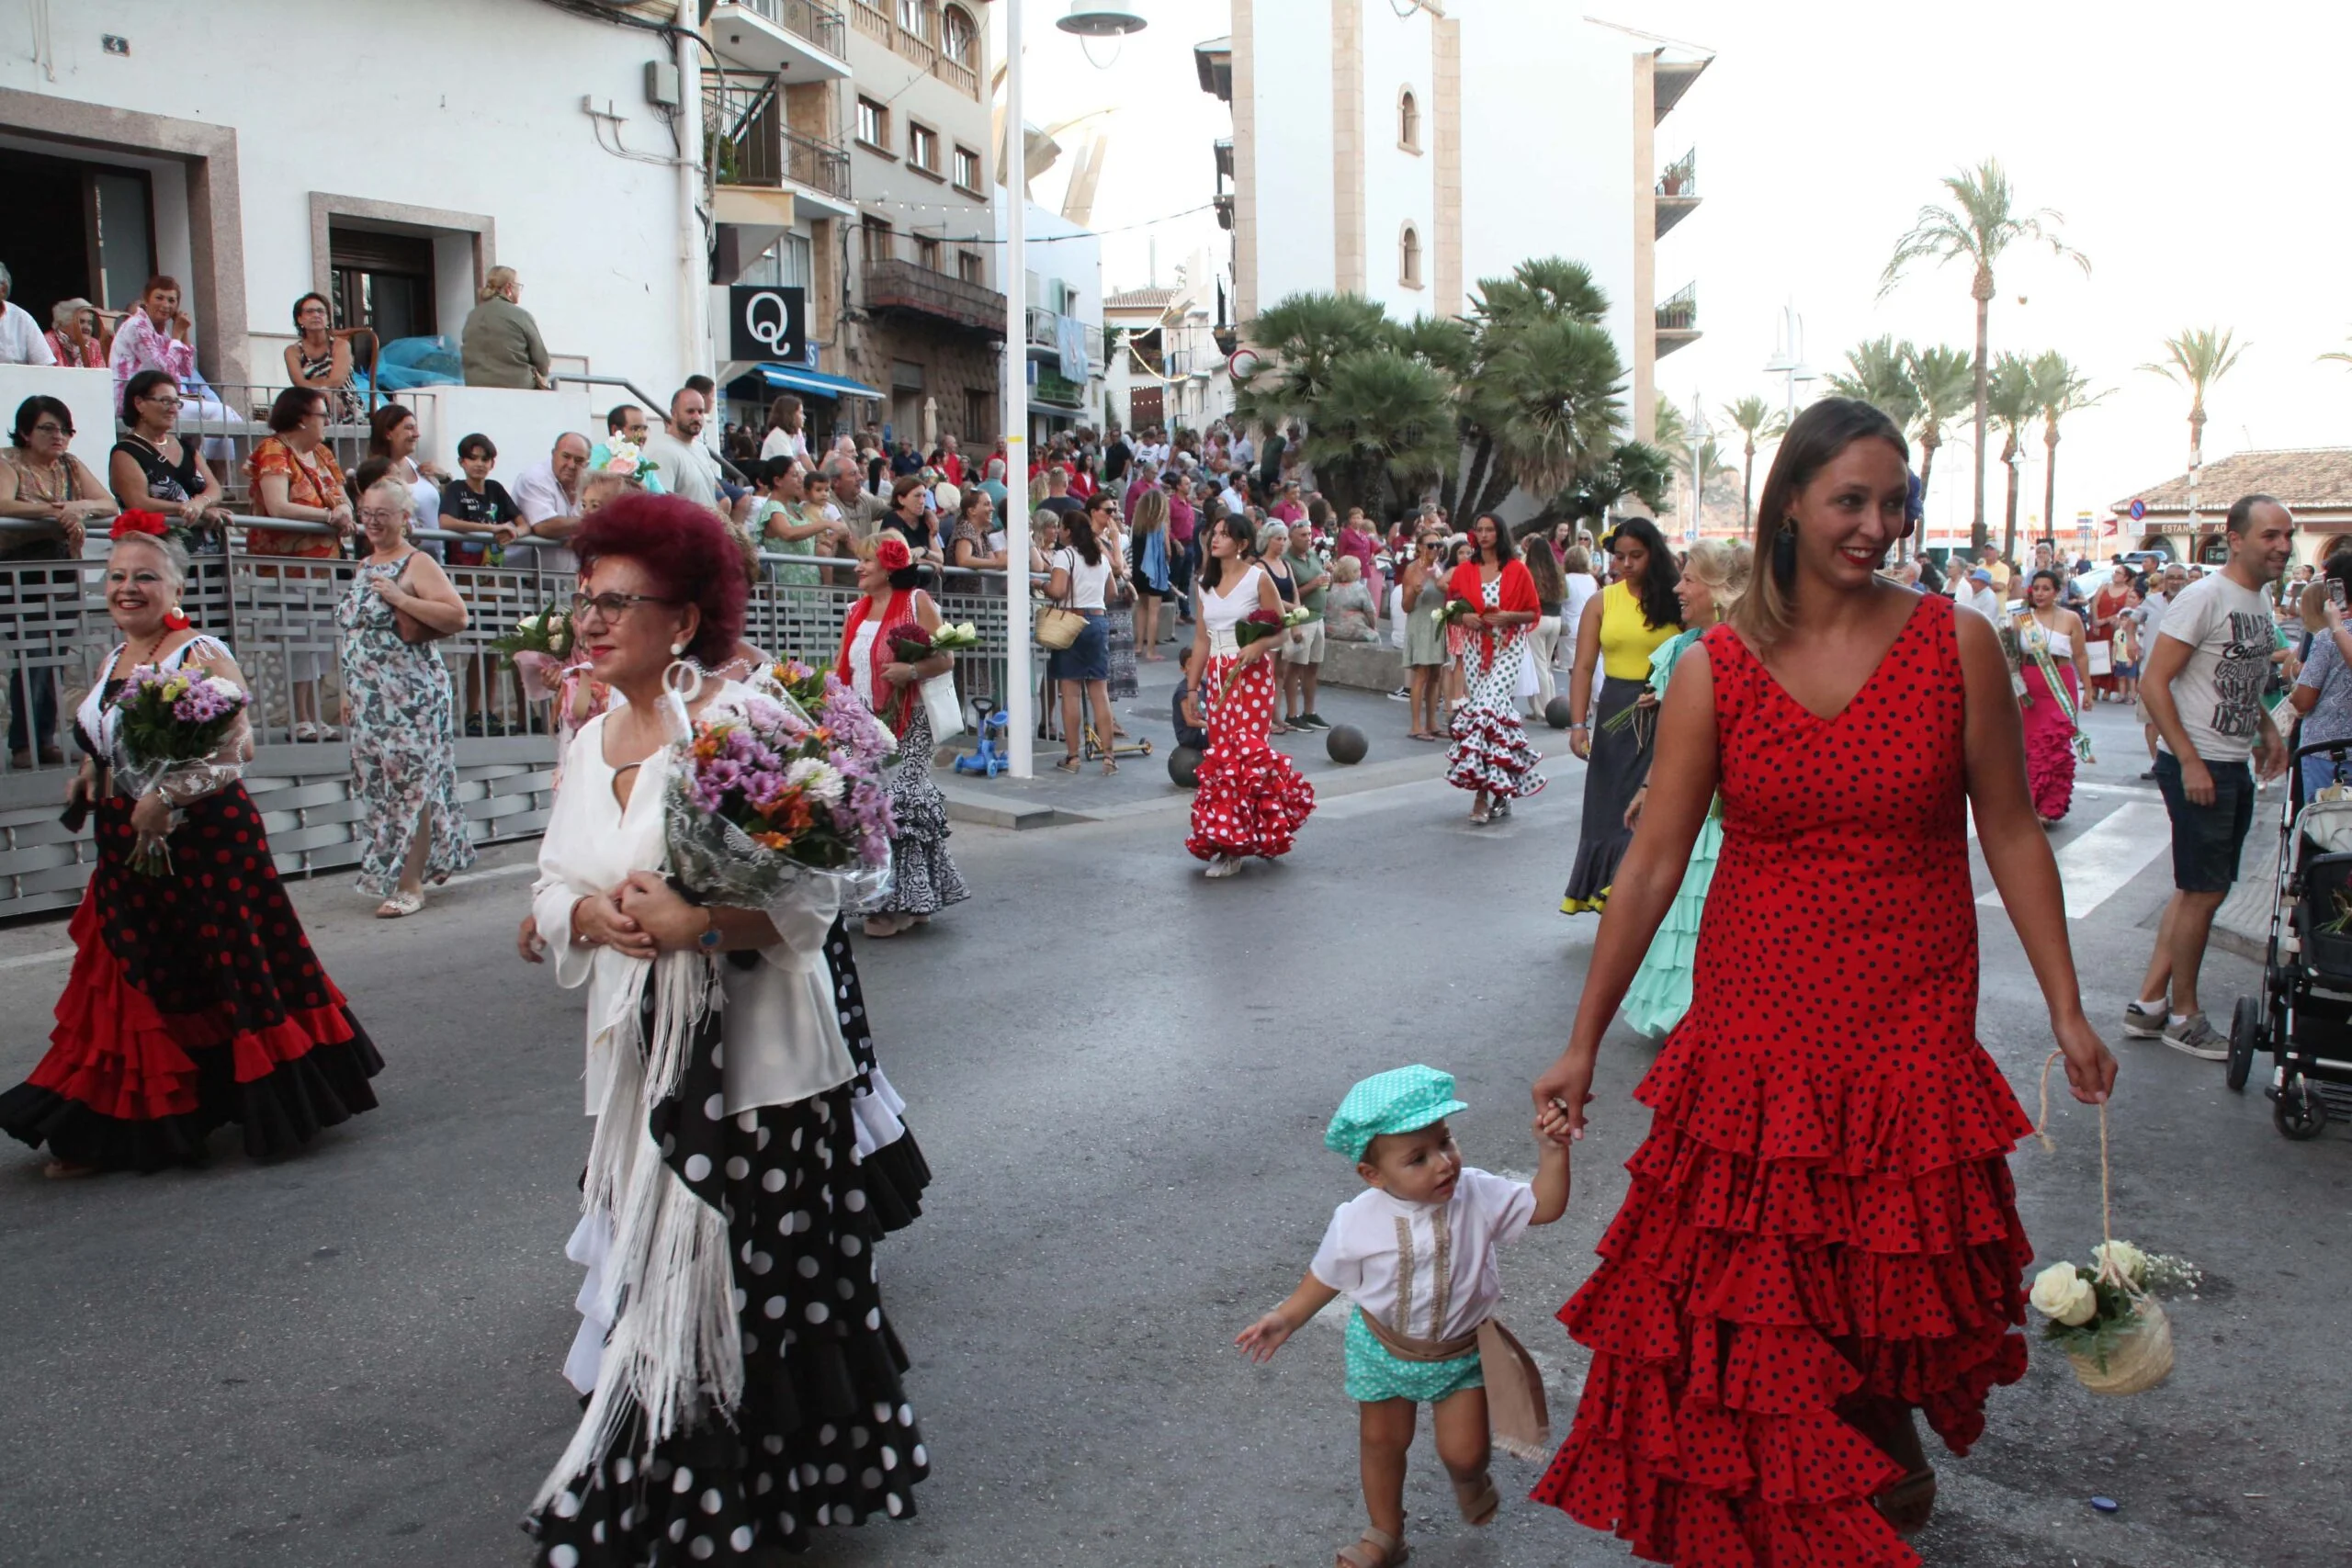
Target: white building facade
point(522, 136)
point(1063, 279)
point(1404, 157)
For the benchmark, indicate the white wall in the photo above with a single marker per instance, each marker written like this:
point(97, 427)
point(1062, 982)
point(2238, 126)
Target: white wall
point(1292, 50)
point(89, 393)
point(1547, 154)
point(472, 105)
point(521, 426)
point(1397, 185)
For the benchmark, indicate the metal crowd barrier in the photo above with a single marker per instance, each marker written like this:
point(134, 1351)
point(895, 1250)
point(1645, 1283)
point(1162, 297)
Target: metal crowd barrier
point(277, 615)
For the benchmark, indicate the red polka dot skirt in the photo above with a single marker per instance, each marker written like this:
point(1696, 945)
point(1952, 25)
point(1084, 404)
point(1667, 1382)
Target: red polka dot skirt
point(1252, 800)
point(195, 1000)
point(1823, 1209)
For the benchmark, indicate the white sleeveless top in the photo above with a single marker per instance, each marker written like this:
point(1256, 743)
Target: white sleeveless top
point(100, 720)
point(1221, 612)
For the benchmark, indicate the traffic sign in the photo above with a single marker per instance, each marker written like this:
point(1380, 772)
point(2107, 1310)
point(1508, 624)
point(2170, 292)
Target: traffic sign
point(2139, 509)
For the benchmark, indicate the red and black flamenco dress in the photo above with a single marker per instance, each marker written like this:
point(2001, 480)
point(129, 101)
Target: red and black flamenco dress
point(1823, 1212)
point(195, 1002)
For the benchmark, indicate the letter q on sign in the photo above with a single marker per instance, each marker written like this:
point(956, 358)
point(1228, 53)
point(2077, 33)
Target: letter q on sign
point(766, 323)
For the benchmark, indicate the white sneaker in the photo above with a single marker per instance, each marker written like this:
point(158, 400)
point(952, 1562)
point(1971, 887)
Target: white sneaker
point(1223, 865)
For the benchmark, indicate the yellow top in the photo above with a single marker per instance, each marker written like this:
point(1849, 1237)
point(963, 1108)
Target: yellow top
point(1627, 640)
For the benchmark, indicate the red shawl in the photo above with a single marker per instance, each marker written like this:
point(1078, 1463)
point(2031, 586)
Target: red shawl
point(881, 656)
point(1518, 594)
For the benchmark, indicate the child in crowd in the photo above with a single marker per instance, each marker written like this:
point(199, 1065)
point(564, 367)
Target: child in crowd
point(1416, 1255)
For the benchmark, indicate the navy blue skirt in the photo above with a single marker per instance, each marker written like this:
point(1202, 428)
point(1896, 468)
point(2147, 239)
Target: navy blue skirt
point(1088, 659)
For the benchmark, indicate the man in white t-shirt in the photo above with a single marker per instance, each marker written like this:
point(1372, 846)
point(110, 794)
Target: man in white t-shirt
point(2202, 680)
point(1979, 595)
point(688, 467)
point(549, 495)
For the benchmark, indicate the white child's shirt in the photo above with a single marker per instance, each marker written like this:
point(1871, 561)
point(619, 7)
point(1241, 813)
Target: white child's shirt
point(1425, 1271)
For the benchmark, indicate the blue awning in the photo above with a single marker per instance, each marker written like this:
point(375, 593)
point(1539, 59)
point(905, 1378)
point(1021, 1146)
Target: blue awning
point(816, 382)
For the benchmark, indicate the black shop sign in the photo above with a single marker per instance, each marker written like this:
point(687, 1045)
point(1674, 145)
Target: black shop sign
point(767, 322)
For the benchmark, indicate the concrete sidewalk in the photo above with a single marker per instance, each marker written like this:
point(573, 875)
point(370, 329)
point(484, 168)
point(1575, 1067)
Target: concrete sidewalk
point(1142, 786)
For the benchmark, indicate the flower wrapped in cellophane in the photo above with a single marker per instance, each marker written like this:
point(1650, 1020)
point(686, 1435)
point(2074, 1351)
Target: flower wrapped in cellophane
point(766, 796)
point(182, 733)
point(539, 646)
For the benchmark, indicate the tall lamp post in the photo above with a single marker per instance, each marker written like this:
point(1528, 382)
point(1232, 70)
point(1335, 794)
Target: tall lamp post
point(1788, 358)
point(1087, 19)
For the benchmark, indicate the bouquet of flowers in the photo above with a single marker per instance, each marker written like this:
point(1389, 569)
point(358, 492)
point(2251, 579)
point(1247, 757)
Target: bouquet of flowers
point(2106, 1317)
point(767, 795)
point(804, 685)
point(1456, 611)
point(537, 648)
point(172, 720)
point(912, 644)
point(626, 458)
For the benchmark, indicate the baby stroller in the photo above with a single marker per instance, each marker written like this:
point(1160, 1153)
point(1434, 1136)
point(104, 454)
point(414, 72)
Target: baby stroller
point(2304, 1019)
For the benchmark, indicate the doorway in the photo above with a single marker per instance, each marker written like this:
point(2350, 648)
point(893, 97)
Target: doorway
point(78, 230)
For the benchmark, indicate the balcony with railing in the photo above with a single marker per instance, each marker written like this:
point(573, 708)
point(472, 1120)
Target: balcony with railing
point(750, 144)
point(1677, 191)
point(952, 65)
point(807, 40)
point(1677, 319)
point(1044, 338)
point(902, 279)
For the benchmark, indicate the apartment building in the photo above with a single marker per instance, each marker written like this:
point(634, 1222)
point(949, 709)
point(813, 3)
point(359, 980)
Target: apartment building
point(1168, 367)
point(1403, 157)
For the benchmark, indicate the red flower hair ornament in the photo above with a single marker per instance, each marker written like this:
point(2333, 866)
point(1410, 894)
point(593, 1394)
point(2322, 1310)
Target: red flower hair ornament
point(890, 553)
point(149, 523)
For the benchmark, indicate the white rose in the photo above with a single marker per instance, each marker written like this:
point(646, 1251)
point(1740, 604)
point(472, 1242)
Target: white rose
point(2129, 1260)
point(2063, 1295)
point(968, 629)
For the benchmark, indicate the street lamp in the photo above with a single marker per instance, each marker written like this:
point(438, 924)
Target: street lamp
point(1788, 358)
point(1088, 19)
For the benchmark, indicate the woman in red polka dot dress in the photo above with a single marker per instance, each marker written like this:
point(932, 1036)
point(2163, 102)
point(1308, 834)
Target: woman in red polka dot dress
point(1821, 1236)
point(194, 998)
point(1250, 799)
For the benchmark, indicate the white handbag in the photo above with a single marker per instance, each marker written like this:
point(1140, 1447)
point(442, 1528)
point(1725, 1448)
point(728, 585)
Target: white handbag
point(940, 704)
point(2102, 659)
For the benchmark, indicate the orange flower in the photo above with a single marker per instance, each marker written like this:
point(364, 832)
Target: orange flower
point(772, 840)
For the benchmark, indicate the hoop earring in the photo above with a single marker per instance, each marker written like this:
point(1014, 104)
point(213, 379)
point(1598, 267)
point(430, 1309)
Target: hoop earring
point(684, 679)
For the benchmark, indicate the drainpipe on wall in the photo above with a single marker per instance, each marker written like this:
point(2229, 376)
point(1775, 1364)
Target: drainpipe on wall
point(694, 256)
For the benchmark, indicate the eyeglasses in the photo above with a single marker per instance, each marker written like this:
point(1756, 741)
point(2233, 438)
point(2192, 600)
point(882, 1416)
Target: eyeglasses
point(50, 427)
point(375, 518)
point(611, 607)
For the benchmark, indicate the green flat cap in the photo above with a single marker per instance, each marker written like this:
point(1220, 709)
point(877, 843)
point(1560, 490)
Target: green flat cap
point(1402, 1099)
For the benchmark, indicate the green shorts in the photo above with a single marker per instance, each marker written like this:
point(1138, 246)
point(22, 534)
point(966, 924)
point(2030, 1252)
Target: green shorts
point(1375, 1374)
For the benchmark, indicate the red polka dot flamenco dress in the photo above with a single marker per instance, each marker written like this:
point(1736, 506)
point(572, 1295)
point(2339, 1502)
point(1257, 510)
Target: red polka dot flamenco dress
point(1823, 1209)
point(195, 1002)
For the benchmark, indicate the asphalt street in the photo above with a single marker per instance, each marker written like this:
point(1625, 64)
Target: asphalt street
point(1121, 1074)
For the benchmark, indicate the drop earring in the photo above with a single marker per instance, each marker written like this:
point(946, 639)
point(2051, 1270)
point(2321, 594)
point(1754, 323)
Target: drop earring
point(1784, 554)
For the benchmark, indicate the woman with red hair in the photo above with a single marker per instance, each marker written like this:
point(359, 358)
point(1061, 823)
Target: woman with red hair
point(923, 881)
point(1491, 756)
point(744, 1383)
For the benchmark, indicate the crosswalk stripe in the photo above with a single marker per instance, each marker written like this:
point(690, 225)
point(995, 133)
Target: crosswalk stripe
point(2096, 865)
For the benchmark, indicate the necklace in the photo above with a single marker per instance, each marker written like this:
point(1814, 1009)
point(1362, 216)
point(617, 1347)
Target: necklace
point(154, 648)
point(53, 490)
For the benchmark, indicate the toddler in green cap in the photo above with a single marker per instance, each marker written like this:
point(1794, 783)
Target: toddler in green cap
point(1415, 1253)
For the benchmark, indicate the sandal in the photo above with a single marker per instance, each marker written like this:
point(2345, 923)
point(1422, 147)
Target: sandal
point(1374, 1548)
point(67, 1171)
point(1067, 765)
point(1477, 1499)
point(1110, 766)
point(399, 905)
point(881, 926)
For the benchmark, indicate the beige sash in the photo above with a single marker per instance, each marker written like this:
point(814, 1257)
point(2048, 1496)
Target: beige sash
point(1517, 1412)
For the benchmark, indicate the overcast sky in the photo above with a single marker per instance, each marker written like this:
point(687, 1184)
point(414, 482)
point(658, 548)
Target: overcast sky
point(2197, 152)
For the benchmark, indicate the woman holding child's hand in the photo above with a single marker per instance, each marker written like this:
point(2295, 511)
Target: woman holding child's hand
point(1825, 1093)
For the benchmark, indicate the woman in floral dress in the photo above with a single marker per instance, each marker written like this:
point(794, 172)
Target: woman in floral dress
point(403, 739)
point(1491, 756)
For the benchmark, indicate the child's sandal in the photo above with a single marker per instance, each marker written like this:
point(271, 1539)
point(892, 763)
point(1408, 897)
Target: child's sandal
point(1477, 1499)
point(1374, 1548)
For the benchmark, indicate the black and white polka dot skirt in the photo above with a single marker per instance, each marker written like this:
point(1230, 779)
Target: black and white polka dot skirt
point(824, 1435)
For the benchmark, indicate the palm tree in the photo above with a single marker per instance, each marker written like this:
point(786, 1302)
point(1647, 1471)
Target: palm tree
point(2058, 391)
point(1879, 373)
point(1550, 397)
point(1977, 227)
point(1944, 382)
point(1301, 337)
point(1384, 429)
point(1633, 467)
point(1539, 293)
point(1756, 421)
point(2196, 360)
point(2012, 401)
point(1671, 427)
